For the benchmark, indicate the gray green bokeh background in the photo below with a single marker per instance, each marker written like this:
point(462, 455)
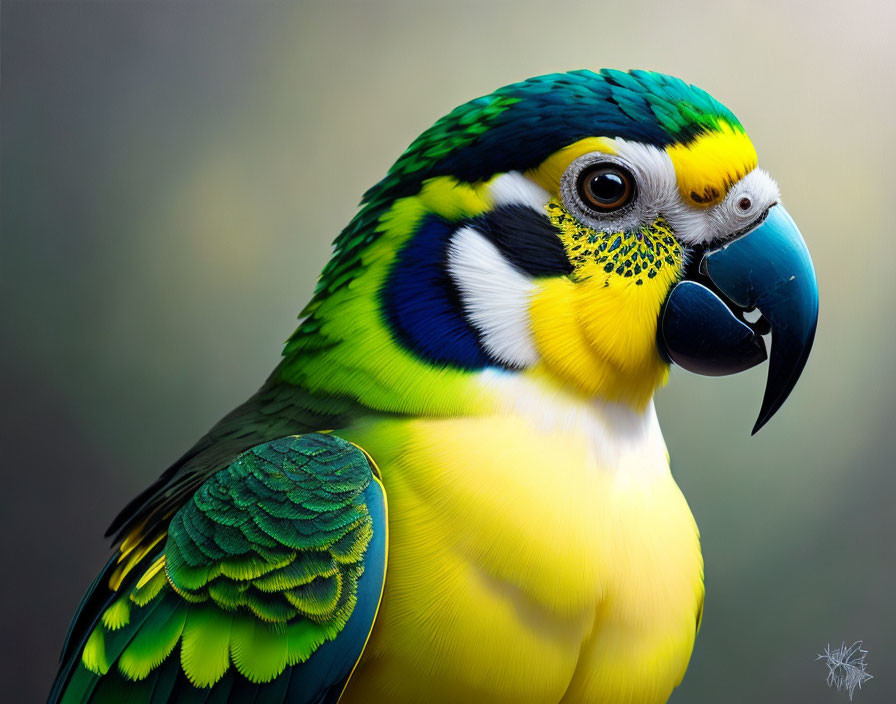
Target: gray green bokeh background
point(173, 175)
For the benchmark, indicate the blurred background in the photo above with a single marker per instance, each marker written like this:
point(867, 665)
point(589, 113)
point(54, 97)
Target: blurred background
point(173, 175)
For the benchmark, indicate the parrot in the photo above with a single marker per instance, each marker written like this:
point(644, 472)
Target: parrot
point(454, 487)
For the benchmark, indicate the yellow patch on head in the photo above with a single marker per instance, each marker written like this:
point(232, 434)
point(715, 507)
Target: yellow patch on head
point(550, 171)
point(710, 164)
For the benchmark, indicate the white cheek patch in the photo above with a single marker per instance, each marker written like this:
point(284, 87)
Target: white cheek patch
point(495, 296)
point(513, 188)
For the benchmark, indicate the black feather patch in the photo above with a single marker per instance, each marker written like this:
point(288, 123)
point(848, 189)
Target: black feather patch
point(526, 238)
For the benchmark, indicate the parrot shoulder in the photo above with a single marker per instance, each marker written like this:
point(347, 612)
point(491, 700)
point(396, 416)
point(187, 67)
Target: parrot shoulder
point(265, 587)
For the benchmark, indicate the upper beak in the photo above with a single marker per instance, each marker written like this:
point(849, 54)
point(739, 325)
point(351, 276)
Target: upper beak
point(702, 325)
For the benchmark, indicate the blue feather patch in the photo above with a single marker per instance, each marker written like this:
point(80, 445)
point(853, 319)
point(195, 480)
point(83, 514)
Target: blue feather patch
point(423, 306)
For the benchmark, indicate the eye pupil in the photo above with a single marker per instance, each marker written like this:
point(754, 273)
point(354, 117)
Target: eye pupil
point(744, 203)
point(606, 187)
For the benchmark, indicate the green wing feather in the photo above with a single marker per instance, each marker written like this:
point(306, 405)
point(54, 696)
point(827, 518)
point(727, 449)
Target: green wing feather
point(266, 563)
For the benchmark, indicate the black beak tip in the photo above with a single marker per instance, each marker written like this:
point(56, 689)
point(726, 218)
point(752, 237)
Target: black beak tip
point(786, 358)
point(760, 422)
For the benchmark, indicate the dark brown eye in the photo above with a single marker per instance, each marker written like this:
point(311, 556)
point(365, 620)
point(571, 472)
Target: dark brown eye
point(606, 187)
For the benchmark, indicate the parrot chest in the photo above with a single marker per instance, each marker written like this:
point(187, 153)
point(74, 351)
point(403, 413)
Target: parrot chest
point(529, 562)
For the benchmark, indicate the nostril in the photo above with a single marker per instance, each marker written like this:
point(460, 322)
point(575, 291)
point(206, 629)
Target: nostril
point(745, 204)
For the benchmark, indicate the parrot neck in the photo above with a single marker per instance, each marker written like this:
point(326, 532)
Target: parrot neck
point(614, 428)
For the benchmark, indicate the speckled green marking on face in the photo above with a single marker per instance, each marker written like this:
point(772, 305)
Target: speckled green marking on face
point(637, 255)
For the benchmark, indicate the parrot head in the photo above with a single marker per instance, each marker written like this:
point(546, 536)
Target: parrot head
point(584, 229)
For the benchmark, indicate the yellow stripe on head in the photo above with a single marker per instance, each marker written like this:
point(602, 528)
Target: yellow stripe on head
point(550, 171)
point(710, 164)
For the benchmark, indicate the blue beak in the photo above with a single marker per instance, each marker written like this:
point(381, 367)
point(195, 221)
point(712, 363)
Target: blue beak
point(703, 327)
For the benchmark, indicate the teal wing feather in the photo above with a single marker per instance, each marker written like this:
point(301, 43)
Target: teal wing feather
point(264, 590)
point(275, 411)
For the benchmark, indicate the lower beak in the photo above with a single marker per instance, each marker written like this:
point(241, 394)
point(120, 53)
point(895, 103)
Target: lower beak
point(704, 324)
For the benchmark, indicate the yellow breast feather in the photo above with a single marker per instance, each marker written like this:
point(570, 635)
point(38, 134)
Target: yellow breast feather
point(531, 556)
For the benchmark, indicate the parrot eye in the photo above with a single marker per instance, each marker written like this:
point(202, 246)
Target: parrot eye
point(602, 192)
point(605, 187)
